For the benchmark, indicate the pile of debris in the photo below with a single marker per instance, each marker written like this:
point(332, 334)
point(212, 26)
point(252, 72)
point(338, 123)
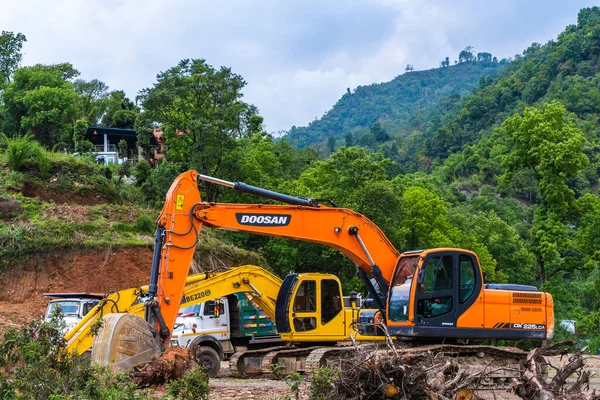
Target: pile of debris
point(431, 375)
point(172, 364)
point(535, 387)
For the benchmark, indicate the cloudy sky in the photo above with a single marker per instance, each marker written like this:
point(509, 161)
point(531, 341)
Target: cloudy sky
point(297, 56)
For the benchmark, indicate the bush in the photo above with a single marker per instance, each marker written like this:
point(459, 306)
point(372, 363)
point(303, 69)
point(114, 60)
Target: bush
point(44, 163)
point(107, 173)
point(142, 171)
point(144, 224)
point(20, 150)
point(193, 386)
point(36, 365)
point(60, 147)
point(124, 170)
point(321, 384)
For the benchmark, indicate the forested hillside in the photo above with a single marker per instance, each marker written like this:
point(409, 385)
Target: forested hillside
point(397, 105)
point(507, 166)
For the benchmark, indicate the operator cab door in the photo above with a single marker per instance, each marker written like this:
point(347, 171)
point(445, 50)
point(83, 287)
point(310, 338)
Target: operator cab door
point(448, 284)
point(317, 309)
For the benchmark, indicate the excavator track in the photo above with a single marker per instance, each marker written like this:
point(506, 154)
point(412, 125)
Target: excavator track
point(500, 364)
point(291, 360)
point(244, 364)
point(326, 356)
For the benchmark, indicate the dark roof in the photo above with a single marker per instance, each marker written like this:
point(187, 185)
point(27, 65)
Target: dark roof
point(117, 131)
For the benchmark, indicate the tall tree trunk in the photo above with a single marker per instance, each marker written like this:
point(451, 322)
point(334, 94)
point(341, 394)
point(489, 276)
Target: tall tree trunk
point(542, 269)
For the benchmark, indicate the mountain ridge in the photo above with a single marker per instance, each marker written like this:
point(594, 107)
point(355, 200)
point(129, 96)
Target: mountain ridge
point(393, 103)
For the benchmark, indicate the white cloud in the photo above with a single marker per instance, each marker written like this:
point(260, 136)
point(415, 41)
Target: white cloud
point(298, 57)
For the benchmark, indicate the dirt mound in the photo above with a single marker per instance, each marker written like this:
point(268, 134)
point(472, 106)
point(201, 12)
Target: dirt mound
point(21, 288)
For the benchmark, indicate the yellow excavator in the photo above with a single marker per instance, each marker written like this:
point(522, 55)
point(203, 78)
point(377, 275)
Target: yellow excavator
point(262, 288)
point(434, 293)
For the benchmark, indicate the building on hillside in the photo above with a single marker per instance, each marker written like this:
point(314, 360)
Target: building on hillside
point(160, 148)
point(106, 145)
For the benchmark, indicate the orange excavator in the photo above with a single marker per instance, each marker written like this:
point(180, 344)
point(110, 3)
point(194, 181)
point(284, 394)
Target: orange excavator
point(435, 293)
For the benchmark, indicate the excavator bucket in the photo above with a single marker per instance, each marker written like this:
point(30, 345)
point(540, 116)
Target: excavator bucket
point(124, 342)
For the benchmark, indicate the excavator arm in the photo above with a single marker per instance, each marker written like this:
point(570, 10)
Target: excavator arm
point(184, 214)
point(177, 234)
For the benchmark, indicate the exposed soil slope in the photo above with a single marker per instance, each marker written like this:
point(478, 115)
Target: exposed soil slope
point(22, 286)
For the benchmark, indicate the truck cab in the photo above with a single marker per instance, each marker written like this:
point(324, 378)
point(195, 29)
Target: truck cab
point(209, 319)
point(72, 306)
point(214, 330)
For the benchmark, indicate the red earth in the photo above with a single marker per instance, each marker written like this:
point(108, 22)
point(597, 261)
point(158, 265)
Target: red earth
point(23, 285)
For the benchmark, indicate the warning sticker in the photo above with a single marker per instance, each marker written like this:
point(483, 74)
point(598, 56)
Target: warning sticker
point(179, 202)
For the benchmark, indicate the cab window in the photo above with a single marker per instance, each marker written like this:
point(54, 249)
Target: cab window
point(331, 303)
point(64, 307)
point(88, 305)
point(467, 278)
point(214, 308)
point(306, 297)
point(437, 275)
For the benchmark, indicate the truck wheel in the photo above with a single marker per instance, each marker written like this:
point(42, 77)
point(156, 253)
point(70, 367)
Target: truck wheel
point(208, 360)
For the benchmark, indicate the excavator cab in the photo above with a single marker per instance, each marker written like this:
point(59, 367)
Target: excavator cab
point(310, 306)
point(442, 293)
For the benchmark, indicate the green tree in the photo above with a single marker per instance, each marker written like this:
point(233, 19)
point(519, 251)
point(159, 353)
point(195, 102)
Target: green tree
point(41, 99)
point(331, 144)
point(379, 133)
point(349, 141)
point(93, 97)
point(340, 177)
point(484, 57)
point(548, 144)
point(123, 149)
point(256, 126)
point(466, 55)
point(145, 131)
point(201, 112)
point(82, 145)
point(10, 55)
point(120, 111)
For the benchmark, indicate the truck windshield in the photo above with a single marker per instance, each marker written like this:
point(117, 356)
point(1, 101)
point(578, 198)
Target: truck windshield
point(191, 309)
point(64, 307)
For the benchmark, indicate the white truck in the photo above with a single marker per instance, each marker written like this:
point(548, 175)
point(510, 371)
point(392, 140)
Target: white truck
point(216, 329)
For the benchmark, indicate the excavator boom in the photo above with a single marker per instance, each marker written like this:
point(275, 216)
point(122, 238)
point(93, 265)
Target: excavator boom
point(184, 214)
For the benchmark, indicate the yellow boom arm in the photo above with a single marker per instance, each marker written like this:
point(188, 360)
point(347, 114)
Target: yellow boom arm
point(259, 283)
